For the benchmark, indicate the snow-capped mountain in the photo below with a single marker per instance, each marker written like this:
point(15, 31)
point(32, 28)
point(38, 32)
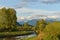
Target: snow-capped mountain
point(25, 19)
point(32, 19)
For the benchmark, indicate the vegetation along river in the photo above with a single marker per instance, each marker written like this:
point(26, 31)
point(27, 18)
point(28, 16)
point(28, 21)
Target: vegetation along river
point(19, 37)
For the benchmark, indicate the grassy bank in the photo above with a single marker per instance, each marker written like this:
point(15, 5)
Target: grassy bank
point(31, 38)
point(15, 33)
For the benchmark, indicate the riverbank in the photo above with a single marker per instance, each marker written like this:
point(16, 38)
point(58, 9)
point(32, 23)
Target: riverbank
point(15, 33)
point(30, 38)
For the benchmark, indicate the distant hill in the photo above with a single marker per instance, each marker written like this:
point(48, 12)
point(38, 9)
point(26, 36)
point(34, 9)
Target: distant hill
point(18, 24)
point(33, 21)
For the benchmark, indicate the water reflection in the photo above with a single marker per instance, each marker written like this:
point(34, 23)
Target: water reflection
point(18, 37)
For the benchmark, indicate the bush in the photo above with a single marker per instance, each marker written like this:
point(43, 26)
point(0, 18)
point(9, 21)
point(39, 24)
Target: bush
point(52, 30)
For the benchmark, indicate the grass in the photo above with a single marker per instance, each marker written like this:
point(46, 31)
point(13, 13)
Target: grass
point(31, 38)
point(15, 33)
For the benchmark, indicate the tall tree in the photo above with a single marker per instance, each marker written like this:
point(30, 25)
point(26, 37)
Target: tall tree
point(3, 19)
point(7, 18)
point(40, 25)
point(12, 17)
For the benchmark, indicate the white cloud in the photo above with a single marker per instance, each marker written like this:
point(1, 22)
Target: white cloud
point(57, 13)
point(34, 14)
point(35, 11)
point(22, 18)
point(23, 3)
point(53, 16)
point(34, 17)
point(2, 7)
point(50, 1)
point(5, 7)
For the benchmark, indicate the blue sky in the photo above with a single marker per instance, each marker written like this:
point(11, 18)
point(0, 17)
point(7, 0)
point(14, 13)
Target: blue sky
point(34, 5)
point(27, 8)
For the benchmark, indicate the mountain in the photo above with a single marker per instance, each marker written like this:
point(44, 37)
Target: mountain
point(18, 24)
point(33, 21)
point(50, 19)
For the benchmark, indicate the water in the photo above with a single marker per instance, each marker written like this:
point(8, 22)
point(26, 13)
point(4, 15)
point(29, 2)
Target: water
point(18, 37)
point(26, 36)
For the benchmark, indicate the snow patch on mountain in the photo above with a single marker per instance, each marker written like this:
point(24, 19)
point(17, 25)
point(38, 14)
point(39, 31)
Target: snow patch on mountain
point(36, 17)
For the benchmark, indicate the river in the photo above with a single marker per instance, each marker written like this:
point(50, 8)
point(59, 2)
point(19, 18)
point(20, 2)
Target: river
point(18, 37)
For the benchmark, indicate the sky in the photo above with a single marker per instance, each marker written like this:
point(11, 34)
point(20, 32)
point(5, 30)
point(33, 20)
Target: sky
point(28, 9)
